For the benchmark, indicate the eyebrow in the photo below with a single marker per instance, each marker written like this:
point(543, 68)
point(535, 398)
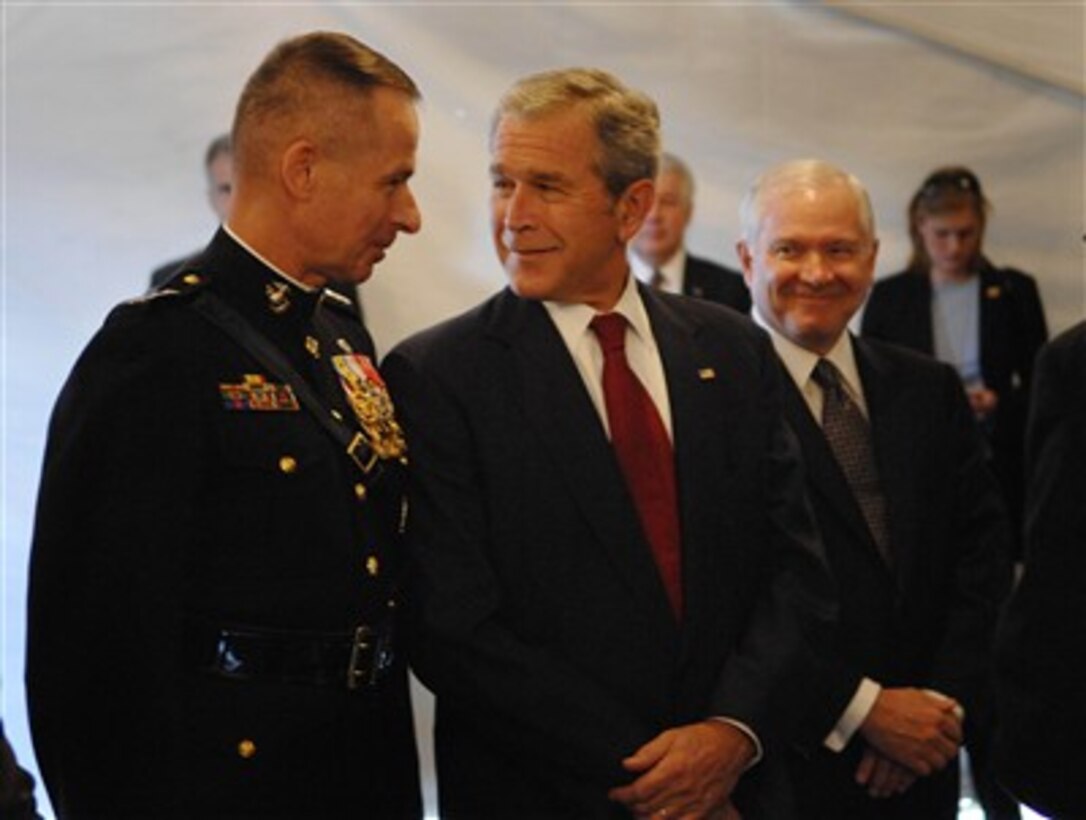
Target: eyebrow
point(496, 170)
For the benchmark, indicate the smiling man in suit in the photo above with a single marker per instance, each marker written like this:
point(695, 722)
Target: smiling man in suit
point(910, 517)
point(658, 251)
point(612, 567)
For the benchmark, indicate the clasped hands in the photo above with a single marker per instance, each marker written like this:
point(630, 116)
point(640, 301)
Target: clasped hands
point(910, 733)
point(688, 772)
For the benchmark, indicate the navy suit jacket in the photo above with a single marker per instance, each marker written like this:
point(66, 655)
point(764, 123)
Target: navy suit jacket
point(708, 280)
point(539, 619)
point(927, 621)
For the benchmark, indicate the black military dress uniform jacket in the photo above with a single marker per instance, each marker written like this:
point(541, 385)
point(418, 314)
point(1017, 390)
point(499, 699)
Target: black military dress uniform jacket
point(204, 551)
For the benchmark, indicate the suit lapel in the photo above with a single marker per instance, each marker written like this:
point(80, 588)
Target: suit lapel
point(893, 435)
point(542, 375)
point(700, 451)
point(825, 477)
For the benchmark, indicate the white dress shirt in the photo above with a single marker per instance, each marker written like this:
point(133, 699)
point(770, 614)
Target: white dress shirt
point(673, 270)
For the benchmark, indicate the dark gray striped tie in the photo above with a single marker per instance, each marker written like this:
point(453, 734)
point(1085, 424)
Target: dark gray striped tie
point(849, 437)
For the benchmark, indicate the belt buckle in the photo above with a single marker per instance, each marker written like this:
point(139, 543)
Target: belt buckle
point(370, 657)
point(366, 466)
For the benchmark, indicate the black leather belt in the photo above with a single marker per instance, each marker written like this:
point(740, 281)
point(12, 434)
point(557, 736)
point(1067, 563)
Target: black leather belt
point(357, 660)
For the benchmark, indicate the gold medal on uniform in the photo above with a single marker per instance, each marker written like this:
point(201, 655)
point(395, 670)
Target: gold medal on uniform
point(369, 399)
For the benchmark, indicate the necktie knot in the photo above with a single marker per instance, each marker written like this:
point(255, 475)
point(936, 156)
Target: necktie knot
point(610, 329)
point(827, 376)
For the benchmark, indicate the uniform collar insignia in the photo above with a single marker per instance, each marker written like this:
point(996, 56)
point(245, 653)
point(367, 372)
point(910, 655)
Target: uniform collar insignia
point(278, 294)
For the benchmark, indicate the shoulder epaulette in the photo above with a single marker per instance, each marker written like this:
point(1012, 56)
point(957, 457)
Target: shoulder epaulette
point(184, 282)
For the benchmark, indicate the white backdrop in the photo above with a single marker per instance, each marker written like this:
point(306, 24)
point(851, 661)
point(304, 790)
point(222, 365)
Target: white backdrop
point(108, 107)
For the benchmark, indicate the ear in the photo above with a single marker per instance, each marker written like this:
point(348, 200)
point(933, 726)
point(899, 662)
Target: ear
point(297, 169)
point(633, 206)
point(746, 260)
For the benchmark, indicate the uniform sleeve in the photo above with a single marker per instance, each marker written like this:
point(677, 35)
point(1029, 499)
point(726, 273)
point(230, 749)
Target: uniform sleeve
point(115, 517)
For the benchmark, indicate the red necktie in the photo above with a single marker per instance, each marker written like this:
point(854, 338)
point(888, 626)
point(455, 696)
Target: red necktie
point(644, 453)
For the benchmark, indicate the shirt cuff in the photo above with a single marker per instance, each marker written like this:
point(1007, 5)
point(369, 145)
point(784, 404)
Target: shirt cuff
point(742, 727)
point(854, 715)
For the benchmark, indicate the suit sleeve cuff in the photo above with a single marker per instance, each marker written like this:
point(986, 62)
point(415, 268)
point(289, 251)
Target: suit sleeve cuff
point(742, 727)
point(854, 715)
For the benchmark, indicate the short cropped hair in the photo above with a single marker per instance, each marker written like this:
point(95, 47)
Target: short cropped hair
point(626, 121)
point(294, 81)
point(800, 173)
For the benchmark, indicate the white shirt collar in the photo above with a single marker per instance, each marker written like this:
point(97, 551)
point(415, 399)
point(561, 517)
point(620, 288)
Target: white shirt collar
point(572, 319)
point(800, 362)
point(672, 270)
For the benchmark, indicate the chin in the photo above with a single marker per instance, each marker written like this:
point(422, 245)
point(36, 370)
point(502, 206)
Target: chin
point(529, 287)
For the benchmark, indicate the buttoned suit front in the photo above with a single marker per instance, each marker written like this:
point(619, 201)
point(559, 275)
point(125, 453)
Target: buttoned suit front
point(180, 498)
point(927, 620)
point(704, 279)
point(538, 616)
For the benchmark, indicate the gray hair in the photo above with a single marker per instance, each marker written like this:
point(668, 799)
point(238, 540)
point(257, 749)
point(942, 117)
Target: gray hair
point(671, 164)
point(800, 173)
point(626, 121)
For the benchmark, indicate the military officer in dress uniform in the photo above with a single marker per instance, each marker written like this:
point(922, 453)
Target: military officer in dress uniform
point(214, 570)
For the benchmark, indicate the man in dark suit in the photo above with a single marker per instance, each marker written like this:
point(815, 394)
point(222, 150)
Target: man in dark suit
point(214, 567)
point(658, 252)
point(600, 640)
point(910, 517)
point(1041, 645)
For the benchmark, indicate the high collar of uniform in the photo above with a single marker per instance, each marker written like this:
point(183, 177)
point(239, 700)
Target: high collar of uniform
point(253, 286)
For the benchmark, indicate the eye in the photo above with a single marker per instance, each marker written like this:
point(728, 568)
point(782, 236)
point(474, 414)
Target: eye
point(842, 251)
point(784, 250)
point(501, 185)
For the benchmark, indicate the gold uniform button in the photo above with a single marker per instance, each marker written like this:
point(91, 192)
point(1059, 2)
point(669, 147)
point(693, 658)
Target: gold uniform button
point(288, 464)
point(338, 416)
point(246, 749)
point(360, 491)
point(373, 566)
point(191, 279)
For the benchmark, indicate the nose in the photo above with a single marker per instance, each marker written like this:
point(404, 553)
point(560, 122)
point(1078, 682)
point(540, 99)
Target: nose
point(408, 217)
point(814, 269)
point(516, 211)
